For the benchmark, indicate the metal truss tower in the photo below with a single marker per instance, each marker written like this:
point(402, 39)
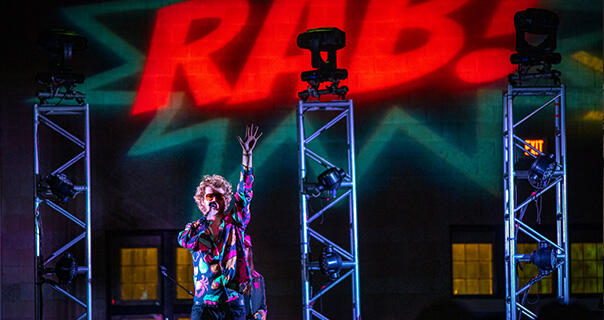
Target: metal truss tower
point(349, 258)
point(44, 114)
point(514, 147)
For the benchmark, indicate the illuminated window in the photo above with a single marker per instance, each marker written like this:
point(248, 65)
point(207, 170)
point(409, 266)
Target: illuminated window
point(472, 268)
point(138, 274)
point(184, 273)
point(527, 271)
point(537, 144)
point(586, 267)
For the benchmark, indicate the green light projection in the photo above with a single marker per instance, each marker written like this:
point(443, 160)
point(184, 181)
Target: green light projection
point(473, 159)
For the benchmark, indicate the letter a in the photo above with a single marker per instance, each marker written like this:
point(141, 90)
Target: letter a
point(269, 58)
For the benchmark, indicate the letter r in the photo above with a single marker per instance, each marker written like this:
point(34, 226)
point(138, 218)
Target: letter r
point(169, 50)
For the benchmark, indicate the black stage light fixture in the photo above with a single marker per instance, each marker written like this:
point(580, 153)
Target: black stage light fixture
point(323, 40)
point(541, 171)
point(329, 180)
point(532, 25)
point(66, 269)
point(56, 187)
point(539, 22)
point(544, 257)
point(60, 45)
point(330, 263)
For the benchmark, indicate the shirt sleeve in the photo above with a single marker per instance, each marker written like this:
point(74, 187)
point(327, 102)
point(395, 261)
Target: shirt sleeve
point(243, 197)
point(190, 238)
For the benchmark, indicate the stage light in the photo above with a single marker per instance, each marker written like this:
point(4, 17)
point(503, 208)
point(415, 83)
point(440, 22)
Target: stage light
point(323, 40)
point(329, 180)
point(531, 26)
point(536, 21)
point(60, 45)
point(66, 269)
point(541, 171)
point(544, 257)
point(330, 263)
point(56, 187)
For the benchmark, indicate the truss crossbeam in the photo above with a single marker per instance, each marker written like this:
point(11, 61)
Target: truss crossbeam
point(326, 241)
point(331, 204)
point(64, 248)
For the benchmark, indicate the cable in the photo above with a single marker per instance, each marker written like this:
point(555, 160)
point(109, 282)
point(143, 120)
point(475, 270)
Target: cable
point(539, 206)
point(542, 274)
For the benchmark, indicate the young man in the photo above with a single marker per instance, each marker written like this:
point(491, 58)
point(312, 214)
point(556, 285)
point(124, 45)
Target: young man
point(216, 240)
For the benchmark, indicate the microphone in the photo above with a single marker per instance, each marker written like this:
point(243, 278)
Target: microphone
point(164, 272)
point(214, 205)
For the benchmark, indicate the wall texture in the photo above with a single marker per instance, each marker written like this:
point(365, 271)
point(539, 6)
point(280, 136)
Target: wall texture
point(171, 84)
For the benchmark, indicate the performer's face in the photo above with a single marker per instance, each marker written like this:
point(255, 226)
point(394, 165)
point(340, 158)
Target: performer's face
point(213, 203)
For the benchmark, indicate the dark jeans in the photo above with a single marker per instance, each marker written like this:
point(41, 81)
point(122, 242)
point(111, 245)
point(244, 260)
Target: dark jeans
point(234, 310)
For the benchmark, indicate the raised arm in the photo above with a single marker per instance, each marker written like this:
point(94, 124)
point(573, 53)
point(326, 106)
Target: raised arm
point(243, 196)
point(248, 144)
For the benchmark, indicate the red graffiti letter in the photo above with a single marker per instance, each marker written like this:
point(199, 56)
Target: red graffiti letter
point(170, 49)
point(377, 63)
point(488, 64)
point(269, 59)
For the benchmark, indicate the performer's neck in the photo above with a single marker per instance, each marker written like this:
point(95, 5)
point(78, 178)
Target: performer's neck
point(215, 226)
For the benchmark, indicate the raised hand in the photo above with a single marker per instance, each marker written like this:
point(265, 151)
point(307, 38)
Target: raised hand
point(251, 138)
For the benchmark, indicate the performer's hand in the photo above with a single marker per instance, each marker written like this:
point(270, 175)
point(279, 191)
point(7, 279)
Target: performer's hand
point(259, 315)
point(251, 138)
point(248, 288)
point(195, 224)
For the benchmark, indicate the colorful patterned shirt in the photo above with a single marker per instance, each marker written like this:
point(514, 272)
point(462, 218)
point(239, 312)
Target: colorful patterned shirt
point(220, 268)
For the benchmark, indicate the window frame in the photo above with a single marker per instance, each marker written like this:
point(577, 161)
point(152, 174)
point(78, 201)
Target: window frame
point(166, 305)
point(479, 234)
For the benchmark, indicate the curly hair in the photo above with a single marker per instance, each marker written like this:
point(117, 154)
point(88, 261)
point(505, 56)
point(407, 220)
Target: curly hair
point(216, 182)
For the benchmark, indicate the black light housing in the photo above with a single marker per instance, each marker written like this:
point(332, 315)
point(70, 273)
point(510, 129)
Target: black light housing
point(66, 269)
point(541, 171)
point(323, 40)
point(544, 257)
point(536, 21)
point(56, 187)
point(538, 24)
point(330, 263)
point(330, 179)
point(60, 45)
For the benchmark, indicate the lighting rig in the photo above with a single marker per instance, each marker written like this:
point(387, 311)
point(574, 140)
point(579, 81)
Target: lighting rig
point(60, 81)
point(323, 40)
point(52, 187)
point(338, 260)
point(535, 44)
